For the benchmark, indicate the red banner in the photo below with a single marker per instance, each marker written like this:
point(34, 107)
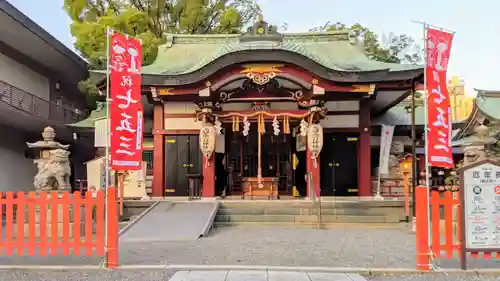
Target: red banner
point(126, 111)
point(438, 100)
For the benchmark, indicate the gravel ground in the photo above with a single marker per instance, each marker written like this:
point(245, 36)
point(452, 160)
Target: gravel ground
point(339, 247)
point(369, 247)
point(85, 275)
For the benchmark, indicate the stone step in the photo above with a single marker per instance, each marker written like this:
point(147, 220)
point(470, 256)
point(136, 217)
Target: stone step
point(310, 211)
point(300, 225)
point(309, 204)
point(305, 219)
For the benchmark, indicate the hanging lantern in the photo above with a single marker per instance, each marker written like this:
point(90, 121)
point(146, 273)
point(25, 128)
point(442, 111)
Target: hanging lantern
point(315, 141)
point(207, 141)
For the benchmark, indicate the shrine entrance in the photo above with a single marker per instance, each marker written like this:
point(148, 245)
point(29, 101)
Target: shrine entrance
point(275, 161)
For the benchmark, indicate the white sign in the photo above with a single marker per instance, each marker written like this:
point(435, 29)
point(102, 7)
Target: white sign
point(482, 206)
point(385, 148)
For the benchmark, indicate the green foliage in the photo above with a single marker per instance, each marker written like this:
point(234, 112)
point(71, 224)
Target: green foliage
point(397, 49)
point(149, 20)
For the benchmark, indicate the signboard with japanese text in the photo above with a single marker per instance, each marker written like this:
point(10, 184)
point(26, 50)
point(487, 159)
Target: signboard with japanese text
point(126, 112)
point(438, 139)
point(480, 199)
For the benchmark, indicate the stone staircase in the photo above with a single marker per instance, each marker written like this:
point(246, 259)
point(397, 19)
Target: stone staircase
point(308, 214)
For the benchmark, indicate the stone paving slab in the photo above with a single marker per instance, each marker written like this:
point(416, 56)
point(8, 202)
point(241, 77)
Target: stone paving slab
point(163, 275)
point(261, 275)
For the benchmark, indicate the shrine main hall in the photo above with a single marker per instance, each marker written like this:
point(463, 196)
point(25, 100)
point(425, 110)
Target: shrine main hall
point(265, 114)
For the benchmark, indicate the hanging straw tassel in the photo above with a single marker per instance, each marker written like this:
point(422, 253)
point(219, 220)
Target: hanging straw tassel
point(262, 124)
point(237, 126)
point(259, 129)
point(286, 125)
point(233, 119)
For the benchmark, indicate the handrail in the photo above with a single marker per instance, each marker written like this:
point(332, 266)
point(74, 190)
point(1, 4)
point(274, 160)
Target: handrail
point(37, 106)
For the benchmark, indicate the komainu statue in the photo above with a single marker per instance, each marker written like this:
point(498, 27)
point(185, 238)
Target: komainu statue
point(53, 172)
point(53, 165)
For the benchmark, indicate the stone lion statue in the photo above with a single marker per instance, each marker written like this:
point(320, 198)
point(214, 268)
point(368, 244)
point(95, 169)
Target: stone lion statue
point(53, 172)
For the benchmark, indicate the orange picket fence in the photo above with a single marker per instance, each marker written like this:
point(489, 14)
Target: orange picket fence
point(53, 224)
point(445, 226)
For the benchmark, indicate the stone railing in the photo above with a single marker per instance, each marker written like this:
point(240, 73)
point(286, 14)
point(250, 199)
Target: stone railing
point(37, 106)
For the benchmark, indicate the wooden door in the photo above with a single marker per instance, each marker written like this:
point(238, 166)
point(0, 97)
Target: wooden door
point(182, 157)
point(339, 165)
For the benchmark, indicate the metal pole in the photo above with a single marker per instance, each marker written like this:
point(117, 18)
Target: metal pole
point(426, 131)
point(415, 171)
point(106, 177)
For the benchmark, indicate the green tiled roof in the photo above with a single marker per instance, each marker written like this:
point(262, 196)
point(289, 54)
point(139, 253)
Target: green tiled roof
point(95, 115)
point(489, 103)
point(184, 54)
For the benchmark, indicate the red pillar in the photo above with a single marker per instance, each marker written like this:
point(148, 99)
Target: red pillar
point(364, 151)
point(158, 152)
point(314, 170)
point(209, 176)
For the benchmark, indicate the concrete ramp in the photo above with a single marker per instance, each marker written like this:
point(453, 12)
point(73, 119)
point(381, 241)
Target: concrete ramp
point(167, 221)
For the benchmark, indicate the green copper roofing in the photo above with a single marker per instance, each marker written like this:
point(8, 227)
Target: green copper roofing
point(184, 54)
point(89, 122)
point(489, 103)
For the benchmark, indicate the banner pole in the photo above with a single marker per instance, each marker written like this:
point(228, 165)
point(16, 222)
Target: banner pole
point(426, 130)
point(106, 177)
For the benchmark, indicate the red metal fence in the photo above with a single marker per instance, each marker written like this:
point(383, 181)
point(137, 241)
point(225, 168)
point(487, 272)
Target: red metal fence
point(445, 226)
point(69, 223)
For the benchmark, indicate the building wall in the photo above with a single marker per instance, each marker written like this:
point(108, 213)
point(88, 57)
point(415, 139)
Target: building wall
point(180, 123)
point(16, 171)
point(22, 77)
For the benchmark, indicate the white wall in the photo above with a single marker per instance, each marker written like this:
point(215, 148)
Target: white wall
point(16, 171)
point(24, 78)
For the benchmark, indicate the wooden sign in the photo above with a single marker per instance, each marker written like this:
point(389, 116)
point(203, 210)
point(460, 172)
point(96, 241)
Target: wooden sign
point(480, 212)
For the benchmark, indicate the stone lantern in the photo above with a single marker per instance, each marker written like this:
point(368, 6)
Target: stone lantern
point(53, 163)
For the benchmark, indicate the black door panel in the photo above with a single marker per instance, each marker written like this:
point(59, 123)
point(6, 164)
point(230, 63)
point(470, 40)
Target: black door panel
point(339, 165)
point(182, 157)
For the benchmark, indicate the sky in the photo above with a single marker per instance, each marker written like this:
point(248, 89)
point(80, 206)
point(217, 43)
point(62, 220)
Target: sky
point(474, 55)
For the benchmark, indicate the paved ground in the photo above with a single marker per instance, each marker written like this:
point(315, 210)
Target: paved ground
point(435, 277)
point(162, 275)
point(257, 275)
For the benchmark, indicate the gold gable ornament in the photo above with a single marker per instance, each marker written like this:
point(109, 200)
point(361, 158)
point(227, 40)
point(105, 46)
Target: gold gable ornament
point(315, 141)
point(207, 141)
